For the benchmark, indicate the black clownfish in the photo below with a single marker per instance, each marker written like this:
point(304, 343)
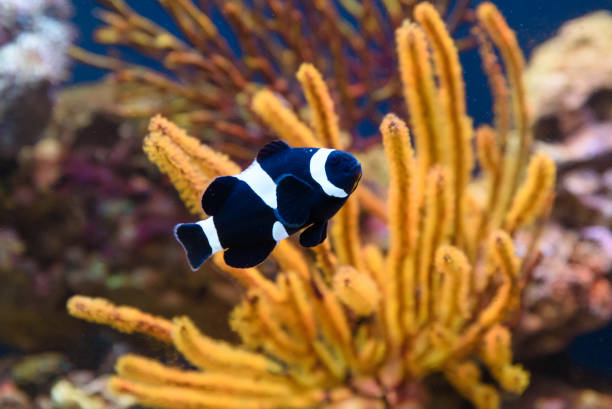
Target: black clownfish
point(284, 190)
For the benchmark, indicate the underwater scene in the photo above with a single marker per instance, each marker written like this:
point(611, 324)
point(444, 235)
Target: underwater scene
point(300, 204)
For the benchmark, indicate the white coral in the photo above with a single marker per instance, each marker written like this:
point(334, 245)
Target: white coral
point(13, 10)
point(37, 41)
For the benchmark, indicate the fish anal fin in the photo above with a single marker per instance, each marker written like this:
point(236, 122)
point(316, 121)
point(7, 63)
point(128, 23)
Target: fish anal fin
point(293, 198)
point(217, 194)
point(314, 234)
point(272, 148)
point(248, 256)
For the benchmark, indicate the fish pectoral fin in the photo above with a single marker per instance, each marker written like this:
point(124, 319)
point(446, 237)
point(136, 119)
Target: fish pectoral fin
point(272, 148)
point(293, 198)
point(217, 194)
point(314, 235)
point(248, 256)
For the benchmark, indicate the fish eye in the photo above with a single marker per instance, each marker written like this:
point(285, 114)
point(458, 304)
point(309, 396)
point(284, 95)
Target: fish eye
point(333, 160)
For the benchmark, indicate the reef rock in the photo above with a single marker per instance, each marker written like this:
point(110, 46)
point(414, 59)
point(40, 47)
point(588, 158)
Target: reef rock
point(570, 88)
point(34, 39)
point(547, 393)
point(571, 72)
point(82, 211)
point(569, 292)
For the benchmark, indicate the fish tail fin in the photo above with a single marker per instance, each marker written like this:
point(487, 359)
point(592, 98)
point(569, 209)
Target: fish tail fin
point(194, 242)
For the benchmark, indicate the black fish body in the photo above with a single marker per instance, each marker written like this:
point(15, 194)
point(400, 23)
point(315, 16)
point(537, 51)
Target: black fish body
point(284, 190)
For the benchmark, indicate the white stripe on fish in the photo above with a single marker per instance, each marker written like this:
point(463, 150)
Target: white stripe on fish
point(279, 232)
point(208, 225)
point(317, 171)
point(260, 182)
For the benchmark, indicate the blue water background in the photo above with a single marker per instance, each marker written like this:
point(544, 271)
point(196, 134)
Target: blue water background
point(533, 20)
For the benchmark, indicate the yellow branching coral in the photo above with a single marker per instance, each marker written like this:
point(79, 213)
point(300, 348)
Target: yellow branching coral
point(357, 290)
point(228, 49)
point(324, 118)
point(282, 120)
point(124, 319)
point(353, 320)
point(532, 198)
point(189, 164)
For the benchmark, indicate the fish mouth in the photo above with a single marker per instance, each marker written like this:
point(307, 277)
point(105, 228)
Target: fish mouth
point(359, 173)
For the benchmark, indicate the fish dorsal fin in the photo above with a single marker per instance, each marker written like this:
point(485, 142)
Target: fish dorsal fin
point(272, 148)
point(217, 194)
point(293, 198)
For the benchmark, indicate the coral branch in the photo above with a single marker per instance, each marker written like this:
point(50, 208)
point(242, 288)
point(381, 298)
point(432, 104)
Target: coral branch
point(326, 260)
point(371, 203)
point(489, 155)
point(209, 354)
point(533, 196)
point(455, 305)
point(174, 397)
point(403, 205)
point(250, 278)
point(211, 162)
point(435, 231)
point(345, 234)
point(324, 118)
point(496, 353)
point(282, 120)
point(419, 92)
point(498, 86)
point(290, 258)
point(357, 291)
point(465, 377)
point(186, 176)
point(504, 38)
point(124, 319)
point(143, 370)
point(455, 143)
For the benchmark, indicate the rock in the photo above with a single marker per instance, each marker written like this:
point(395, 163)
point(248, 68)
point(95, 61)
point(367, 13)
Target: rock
point(569, 292)
point(569, 80)
point(569, 73)
point(34, 39)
